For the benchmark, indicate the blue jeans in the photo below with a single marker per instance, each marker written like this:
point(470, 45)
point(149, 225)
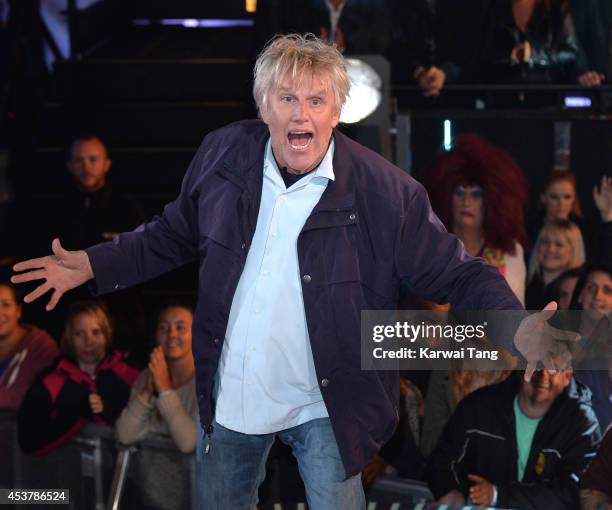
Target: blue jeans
point(229, 475)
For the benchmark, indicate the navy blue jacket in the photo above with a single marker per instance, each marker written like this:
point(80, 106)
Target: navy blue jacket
point(372, 231)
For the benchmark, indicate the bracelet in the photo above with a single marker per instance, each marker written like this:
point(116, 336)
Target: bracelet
point(162, 393)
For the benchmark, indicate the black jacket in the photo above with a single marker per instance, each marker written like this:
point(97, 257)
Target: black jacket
point(550, 33)
point(400, 30)
point(478, 37)
point(56, 406)
point(480, 439)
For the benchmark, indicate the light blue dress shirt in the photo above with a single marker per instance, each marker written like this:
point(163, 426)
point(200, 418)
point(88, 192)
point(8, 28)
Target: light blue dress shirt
point(266, 380)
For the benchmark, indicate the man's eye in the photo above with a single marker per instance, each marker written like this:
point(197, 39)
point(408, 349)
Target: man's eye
point(316, 102)
point(286, 99)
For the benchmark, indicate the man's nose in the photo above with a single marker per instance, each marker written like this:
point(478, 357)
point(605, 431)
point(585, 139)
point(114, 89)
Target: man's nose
point(545, 375)
point(299, 111)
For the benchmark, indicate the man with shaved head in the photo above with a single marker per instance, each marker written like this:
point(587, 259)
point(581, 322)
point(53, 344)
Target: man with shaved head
point(91, 211)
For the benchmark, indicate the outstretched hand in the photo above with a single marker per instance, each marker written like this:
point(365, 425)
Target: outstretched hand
point(62, 271)
point(538, 342)
point(603, 198)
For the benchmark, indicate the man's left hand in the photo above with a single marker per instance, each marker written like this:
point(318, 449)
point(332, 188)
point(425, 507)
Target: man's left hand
point(591, 79)
point(481, 493)
point(538, 341)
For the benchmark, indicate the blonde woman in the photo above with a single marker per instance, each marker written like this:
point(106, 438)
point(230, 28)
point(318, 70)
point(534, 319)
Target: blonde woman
point(87, 383)
point(558, 247)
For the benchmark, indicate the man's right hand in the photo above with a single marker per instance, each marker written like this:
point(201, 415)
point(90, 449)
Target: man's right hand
point(62, 271)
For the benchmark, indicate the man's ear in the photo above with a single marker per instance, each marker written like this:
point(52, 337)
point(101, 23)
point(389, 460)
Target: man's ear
point(567, 377)
point(107, 165)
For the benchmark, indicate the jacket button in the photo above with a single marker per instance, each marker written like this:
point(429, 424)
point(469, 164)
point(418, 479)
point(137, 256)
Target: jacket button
point(243, 246)
point(325, 382)
point(306, 278)
point(352, 216)
point(216, 341)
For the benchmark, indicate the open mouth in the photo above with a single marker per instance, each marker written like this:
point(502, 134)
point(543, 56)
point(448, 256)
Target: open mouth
point(299, 140)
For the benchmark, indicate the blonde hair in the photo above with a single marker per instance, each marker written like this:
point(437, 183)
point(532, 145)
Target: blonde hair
point(99, 311)
point(572, 235)
point(298, 57)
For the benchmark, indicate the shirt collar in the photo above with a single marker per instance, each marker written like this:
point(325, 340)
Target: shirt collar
point(324, 170)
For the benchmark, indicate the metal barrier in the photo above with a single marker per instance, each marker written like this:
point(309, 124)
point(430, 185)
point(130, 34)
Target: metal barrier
point(152, 474)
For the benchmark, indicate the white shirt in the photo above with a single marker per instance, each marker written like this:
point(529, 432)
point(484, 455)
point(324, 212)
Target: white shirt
point(266, 380)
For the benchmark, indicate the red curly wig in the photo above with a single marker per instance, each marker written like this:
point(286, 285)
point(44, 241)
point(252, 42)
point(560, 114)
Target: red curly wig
point(474, 161)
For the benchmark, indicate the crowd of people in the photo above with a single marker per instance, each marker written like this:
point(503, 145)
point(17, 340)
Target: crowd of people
point(434, 43)
point(450, 433)
point(489, 438)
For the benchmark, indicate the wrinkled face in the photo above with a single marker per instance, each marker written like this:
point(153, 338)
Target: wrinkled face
point(10, 311)
point(596, 295)
point(566, 290)
point(554, 252)
point(300, 119)
point(174, 332)
point(558, 200)
point(468, 207)
point(89, 164)
point(545, 387)
point(87, 338)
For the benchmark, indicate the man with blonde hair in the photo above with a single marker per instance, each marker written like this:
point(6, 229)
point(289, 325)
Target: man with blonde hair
point(297, 230)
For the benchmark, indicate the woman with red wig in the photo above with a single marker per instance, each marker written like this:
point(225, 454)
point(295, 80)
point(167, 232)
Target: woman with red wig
point(480, 193)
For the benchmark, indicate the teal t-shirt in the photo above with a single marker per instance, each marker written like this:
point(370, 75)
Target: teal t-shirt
point(525, 430)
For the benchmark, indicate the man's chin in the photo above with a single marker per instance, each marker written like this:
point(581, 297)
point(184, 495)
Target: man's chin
point(299, 168)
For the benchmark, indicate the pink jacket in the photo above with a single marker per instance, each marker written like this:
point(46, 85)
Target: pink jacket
point(37, 351)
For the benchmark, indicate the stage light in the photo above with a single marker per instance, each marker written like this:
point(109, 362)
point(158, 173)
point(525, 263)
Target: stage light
point(365, 94)
point(577, 102)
